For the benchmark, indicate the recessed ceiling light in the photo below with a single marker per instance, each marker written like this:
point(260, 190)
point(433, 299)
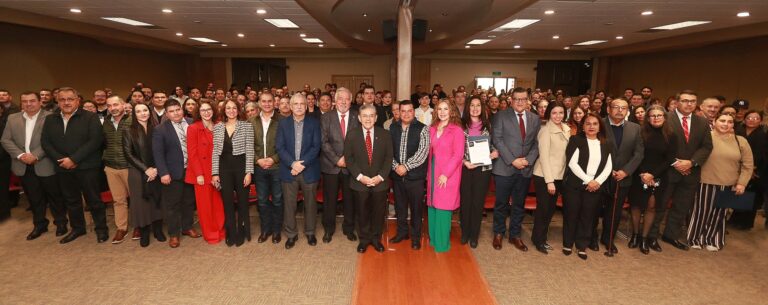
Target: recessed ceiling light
point(467, 47)
point(680, 25)
point(321, 45)
point(127, 21)
point(517, 24)
point(430, 30)
point(223, 44)
point(647, 13)
point(478, 41)
point(313, 40)
point(75, 10)
point(743, 14)
point(282, 23)
point(272, 45)
point(241, 35)
point(619, 37)
point(491, 36)
point(302, 35)
point(179, 34)
point(566, 48)
point(517, 46)
point(365, 14)
point(589, 42)
point(549, 12)
point(556, 37)
point(369, 30)
point(261, 11)
point(167, 10)
point(203, 39)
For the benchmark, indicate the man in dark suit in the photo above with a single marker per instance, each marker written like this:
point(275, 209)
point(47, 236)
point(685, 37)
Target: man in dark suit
point(298, 145)
point(694, 144)
point(21, 139)
point(514, 136)
point(335, 125)
point(73, 138)
point(158, 105)
point(368, 165)
point(169, 148)
point(628, 150)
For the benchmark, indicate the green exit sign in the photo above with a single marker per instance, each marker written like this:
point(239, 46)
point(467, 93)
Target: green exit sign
point(496, 73)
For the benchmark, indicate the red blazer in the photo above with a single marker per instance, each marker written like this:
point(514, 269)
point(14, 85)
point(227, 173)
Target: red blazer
point(199, 151)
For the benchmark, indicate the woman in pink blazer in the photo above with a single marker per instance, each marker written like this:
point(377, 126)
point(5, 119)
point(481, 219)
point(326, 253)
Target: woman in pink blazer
point(446, 152)
point(210, 209)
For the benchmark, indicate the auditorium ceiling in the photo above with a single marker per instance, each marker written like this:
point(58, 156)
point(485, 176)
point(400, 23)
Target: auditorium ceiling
point(554, 25)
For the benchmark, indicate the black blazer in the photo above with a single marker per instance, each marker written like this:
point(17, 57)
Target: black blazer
point(697, 149)
point(356, 156)
point(166, 149)
point(138, 149)
point(579, 141)
point(82, 141)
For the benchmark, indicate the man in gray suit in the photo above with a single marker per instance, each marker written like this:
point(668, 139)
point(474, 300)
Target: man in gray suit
point(628, 150)
point(334, 126)
point(514, 135)
point(21, 138)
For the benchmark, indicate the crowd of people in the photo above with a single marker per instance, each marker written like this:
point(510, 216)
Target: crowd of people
point(166, 157)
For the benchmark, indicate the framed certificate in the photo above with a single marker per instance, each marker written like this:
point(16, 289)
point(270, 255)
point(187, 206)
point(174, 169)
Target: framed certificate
point(479, 148)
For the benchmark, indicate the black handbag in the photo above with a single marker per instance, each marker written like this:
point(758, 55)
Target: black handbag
point(727, 199)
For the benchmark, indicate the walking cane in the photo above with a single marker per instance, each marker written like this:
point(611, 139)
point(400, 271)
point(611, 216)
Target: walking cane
point(609, 253)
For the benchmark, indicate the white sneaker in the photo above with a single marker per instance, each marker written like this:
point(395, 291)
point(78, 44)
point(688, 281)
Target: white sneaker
point(712, 248)
point(697, 247)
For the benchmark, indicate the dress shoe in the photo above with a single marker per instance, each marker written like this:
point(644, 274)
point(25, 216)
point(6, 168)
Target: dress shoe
point(239, 240)
point(276, 238)
point(612, 248)
point(541, 249)
point(157, 228)
point(103, 237)
point(567, 251)
point(290, 242)
point(36, 232)
point(361, 248)
point(654, 244)
point(473, 244)
point(61, 230)
point(311, 240)
point(416, 244)
point(71, 236)
point(548, 247)
point(136, 234)
point(497, 241)
point(398, 238)
point(634, 241)
point(518, 243)
point(119, 236)
point(191, 233)
point(229, 241)
point(464, 240)
point(327, 237)
point(144, 236)
point(174, 242)
point(644, 248)
point(263, 237)
point(675, 243)
point(351, 237)
point(594, 246)
point(378, 247)
point(712, 248)
point(582, 254)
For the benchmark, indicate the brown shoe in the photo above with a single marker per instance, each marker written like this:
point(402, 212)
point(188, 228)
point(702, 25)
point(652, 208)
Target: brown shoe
point(191, 233)
point(136, 234)
point(497, 241)
point(263, 237)
point(174, 242)
point(119, 236)
point(518, 243)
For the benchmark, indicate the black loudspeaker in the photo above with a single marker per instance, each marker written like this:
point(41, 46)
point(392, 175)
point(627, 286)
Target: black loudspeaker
point(419, 30)
point(389, 30)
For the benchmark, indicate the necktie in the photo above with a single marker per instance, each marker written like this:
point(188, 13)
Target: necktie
point(182, 139)
point(343, 127)
point(685, 128)
point(369, 146)
point(522, 125)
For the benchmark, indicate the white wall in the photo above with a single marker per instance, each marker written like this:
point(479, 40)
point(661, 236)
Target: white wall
point(318, 71)
point(452, 73)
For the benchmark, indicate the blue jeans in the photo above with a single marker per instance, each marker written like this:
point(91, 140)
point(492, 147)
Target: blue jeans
point(270, 211)
point(516, 187)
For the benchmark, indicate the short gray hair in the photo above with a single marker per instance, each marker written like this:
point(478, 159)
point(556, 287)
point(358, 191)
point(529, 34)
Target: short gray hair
point(368, 107)
point(340, 90)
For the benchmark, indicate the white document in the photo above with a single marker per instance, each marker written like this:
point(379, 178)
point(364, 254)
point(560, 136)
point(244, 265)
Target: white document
point(479, 152)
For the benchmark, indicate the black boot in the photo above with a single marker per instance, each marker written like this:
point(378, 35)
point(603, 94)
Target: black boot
point(634, 241)
point(144, 240)
point(157, 228)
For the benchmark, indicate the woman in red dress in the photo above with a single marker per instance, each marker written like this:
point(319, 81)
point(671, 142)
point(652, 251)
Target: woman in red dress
point(210, 210)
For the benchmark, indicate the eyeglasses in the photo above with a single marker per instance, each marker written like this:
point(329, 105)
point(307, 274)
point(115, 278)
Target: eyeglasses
point(687, 101)
point(67, 99)
point(206, 110)
point(656, 116)
point(753, 118)
point(619, 107)
point(520, 100)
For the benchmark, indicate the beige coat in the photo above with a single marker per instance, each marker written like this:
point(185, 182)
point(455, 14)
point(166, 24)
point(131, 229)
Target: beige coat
point(552, 142)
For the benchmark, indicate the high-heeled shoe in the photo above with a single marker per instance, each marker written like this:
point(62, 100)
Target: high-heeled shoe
point(634, 241)
point(644, 247)
point(144, 237)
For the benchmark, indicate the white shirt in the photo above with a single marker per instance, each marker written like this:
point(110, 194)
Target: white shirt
point(159, 113)
point(29, 128)
point(424, 116)
point(264, 128)
point(346, 121)
point(592, 165)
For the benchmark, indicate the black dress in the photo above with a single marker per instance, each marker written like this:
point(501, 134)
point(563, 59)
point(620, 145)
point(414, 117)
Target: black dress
point(658, 158)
